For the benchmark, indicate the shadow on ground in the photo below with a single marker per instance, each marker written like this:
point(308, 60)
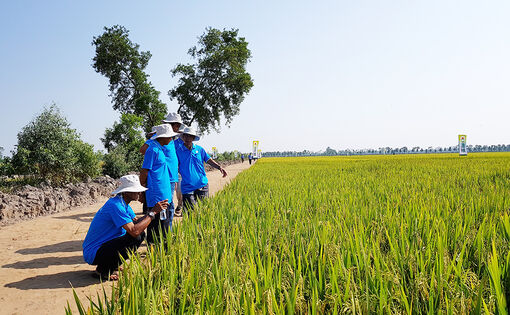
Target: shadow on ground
point(82, 217)
point(62, 247)
point(46, 262)
point(75, 279)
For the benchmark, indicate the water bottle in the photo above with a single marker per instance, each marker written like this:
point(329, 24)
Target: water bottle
point(162, 215)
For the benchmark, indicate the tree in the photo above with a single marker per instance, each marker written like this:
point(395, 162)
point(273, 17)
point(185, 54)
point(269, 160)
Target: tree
point(217, 83)
point(330, 151)
point(126, 133)
point(123, 141)
point(49, 148)
point(120, 60)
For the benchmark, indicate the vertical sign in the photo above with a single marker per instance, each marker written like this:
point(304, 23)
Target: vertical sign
point(462, 145)
point(214, 153)
point(255, 148)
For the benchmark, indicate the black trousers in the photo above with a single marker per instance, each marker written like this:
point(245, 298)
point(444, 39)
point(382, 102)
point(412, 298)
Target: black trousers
point(189, 200)
point(157, 224)
point(108, 255)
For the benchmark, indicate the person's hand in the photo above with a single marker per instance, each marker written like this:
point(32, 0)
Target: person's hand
point(222, 170)
point(160, 206)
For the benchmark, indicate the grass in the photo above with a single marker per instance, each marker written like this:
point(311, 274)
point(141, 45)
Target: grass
point(369, 234)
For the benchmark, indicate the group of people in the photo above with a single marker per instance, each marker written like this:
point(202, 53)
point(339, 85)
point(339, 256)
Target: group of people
point(172, 164)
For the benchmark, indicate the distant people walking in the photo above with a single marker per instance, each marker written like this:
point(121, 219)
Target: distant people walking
point(115, 231)
point(250, 157)
point(158, 174)
point(242, 158)
point(194, 185)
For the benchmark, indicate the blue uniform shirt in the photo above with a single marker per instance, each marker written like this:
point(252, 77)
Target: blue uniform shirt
point(106, 225)
point(171, 157)
point(158, 179)
point(191, 166)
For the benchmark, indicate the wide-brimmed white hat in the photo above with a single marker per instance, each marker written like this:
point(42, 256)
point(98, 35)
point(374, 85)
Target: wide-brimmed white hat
point(182, 127)
point(173, 118)
point(129, 183)
point(191, 131)
point(164, 131)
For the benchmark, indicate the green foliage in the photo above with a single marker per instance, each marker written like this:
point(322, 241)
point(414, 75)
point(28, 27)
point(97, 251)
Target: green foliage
point(123, 142)
point(114, 163)
point(126, 133)
point(217, 83)
point(6, 167)
point(228, 156)
point(120, 60)
point(49, 148)
point(120, 161)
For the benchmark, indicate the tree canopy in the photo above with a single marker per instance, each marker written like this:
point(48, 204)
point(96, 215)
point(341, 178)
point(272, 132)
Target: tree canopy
point(217, 83)
point(121, 61)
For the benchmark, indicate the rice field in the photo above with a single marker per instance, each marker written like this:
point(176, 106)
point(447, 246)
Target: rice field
point(368, 234)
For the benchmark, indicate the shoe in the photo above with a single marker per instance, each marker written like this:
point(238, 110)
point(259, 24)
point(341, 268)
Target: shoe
point(178, 212)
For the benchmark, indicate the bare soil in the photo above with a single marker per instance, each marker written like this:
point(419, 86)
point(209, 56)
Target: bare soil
point(42, 260)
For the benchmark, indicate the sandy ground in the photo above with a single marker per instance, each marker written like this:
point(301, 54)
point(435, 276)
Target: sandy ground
point(42, 259)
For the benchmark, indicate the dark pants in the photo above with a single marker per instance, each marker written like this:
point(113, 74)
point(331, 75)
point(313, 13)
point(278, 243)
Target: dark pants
point(157, 224)
point(108, 255)
point(189, 200)
point(250, 161)
point(144, 204)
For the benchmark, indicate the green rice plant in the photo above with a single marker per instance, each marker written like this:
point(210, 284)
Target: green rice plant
point(366, 234)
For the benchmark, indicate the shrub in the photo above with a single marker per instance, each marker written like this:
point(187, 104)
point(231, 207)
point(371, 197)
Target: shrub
point(50, 149)
point(115, 164)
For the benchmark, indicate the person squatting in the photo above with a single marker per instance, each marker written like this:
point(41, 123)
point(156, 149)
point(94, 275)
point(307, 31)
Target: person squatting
point(172, 162)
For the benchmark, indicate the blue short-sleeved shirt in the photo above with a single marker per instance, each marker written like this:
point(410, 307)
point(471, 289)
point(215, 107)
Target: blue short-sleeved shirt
point(171, 156)
point(191, 166)
point(106, 225)
point(158, 179)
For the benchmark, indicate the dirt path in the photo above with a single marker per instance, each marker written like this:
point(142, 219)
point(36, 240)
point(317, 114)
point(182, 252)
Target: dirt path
point(42, 258)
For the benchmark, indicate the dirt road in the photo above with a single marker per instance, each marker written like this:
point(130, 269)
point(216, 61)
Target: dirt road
point(41, 259)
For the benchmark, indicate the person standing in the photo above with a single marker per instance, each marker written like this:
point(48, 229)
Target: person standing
point(250, 157)
point(242, 158)
point(174, 120)
point(156, 174)
point(194, 185)
point(115, 231)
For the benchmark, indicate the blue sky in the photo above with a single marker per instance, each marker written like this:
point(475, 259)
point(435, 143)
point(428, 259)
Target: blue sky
point(344, 74)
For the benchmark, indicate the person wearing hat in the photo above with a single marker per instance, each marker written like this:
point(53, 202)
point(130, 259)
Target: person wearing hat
point(115, 231)
point(194, 185)
point(158, 174)
point(175, 120)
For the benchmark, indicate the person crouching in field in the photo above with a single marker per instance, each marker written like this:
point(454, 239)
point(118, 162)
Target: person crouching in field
point(194, 185)
point(158, 173)
point(115, 231)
